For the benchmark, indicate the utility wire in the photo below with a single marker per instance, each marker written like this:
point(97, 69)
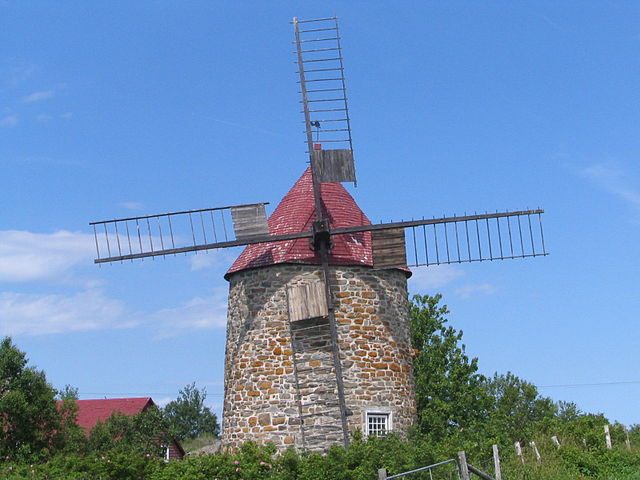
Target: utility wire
point(145, 394)
point(559, 385)
point(589, 384)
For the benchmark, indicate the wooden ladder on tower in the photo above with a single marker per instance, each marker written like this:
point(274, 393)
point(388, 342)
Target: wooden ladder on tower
point(313, 354)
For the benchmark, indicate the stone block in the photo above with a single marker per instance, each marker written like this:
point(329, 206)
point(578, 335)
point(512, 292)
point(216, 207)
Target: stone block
point(264, 419)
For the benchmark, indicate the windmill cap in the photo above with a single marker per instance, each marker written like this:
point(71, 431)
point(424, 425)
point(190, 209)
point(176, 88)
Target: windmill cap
point(296, 213)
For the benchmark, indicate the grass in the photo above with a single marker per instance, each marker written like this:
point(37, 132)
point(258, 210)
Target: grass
point(192, 444)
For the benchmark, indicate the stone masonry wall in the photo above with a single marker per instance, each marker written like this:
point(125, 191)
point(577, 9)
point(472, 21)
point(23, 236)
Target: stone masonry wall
point(264, 402)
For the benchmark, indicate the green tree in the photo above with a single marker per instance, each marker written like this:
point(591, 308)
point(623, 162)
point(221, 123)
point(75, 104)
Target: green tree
point(30, 423)
point(68, 393)
point(450, 392)
point(143, 433)
point(518, 411)
point(189, 417)
point(74, 438)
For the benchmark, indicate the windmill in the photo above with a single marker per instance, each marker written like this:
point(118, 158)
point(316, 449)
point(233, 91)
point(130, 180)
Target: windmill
point(319, 289)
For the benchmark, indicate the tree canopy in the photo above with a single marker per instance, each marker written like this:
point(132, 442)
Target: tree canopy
point(189, 417)
point(30, 422)
point(450, 393)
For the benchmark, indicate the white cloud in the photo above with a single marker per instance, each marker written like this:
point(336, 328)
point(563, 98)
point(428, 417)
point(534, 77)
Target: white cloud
point(45, 117)
point(33, 314)
point(469, 291)
point(162, 402)
point(614, 180)
point(132, 205)
point(27, 256)
point(18, 74)
point(9, 121)
point(37, 96)
point(197, 314)
point(428, 278)
point(41, 314)
point(34, 257)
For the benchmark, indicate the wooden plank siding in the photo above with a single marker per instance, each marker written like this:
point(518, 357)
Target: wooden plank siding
point(334, 166)
point(389, 249)
point(249, 221)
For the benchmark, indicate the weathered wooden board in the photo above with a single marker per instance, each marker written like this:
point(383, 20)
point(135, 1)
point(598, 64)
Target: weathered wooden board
point(249, 220)
point(389, 249)
point(335, 166)
point(306, 301)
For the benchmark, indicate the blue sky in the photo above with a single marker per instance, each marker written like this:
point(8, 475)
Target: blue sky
point(117, 109)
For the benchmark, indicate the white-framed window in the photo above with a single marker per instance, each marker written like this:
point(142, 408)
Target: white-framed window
point(378, 423)
point(167, 453)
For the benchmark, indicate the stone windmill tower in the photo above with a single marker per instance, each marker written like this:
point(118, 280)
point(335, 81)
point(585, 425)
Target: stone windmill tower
point(317, 337)
point(280, 373)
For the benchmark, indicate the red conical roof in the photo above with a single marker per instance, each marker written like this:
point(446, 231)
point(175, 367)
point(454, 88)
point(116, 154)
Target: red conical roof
point(295, 213)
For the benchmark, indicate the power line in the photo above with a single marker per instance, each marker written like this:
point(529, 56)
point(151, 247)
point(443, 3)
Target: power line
point(631, 382)
point(145, 394)
point(558, 385)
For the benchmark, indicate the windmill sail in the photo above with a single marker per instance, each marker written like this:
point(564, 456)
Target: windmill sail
point(179, 232)
point(446, 240)
point(324, 98)
point(414, 243)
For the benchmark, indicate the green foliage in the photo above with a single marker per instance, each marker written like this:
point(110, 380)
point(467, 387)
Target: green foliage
point(188, 415)
point(30, 424)
point(450, 392)
point(517, 411)
point(68, 393)
point(116, 466)
point(142, 434)
point(72, 437)
point(358, 462)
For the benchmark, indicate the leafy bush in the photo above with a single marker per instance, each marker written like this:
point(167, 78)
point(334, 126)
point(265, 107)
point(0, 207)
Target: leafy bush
point(143, 433)
point(358, 462)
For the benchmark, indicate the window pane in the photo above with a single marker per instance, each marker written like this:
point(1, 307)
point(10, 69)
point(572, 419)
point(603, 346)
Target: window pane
point(377, 423)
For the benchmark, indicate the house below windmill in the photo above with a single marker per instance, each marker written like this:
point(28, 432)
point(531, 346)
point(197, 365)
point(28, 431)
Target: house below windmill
point(91, 412)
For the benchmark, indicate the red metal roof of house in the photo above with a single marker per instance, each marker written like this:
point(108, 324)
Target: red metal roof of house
point(91, 412)
point(296, 213)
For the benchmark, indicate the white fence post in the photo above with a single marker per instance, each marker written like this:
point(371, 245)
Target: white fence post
point(519, 451)
point(535, 450)
point(463, 467)
point(496, 462)
point(382, 474)
point(607, 436)
point(555, 441)
point(627, 441)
